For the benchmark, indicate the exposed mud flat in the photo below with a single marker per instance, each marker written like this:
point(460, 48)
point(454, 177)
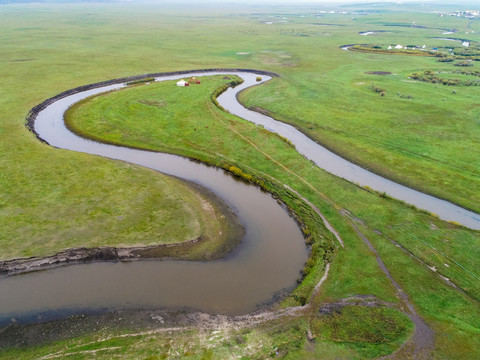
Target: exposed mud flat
point(104, 253)
point(133, 322)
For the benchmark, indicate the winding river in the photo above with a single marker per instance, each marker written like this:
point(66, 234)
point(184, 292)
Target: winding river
point(266, 264)
point(340, 167)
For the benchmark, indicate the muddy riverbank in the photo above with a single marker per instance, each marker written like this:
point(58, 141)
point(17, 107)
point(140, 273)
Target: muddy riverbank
point(206, 247)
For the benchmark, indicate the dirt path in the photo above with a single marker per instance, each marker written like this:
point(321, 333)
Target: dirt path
point(421, 344)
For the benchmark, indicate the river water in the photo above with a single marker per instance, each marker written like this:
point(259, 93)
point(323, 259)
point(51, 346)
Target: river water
point(340, 167)
point(267, 262)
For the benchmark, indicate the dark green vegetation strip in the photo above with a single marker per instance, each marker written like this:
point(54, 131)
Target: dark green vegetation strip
point(140, 81)
point(379, 50)
point(444, 56)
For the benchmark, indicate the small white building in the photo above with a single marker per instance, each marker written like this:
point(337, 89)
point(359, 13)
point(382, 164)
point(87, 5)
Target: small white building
point(399, 47)
point(466, 43)
point(182, 83)
point(423, 47)
point(389, 47)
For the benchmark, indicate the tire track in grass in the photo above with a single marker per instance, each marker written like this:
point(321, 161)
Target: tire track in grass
point(421, 343)
point(286, 169)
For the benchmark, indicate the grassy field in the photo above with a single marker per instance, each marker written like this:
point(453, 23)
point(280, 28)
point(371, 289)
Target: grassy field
point(424, 141)
point(172, 126)
point(94, 202)
point(411, 134)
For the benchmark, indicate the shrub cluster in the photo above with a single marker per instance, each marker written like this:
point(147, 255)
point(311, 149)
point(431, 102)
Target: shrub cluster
point(469, 73)
point(431, 77)
point(373, 49)
point(239, 173)
point(378, 89)
point(465, 72)
point(221, 90)
point(472, 83)
point(444, 54)
point(463, 63)
point(140, 81)
point(402, 96)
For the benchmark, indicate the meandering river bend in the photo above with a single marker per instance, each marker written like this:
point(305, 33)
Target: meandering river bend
point(267, 262)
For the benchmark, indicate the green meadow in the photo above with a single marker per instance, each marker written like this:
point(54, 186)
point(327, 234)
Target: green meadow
point(54, 199)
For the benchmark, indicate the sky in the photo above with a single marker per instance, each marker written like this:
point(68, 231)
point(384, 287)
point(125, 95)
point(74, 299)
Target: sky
point(317, 1)
point(328, 2)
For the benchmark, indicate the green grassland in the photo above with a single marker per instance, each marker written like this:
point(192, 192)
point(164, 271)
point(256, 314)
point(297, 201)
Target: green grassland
point(94, 202)
point(48, 194)
point(412, 140)
point(187, 113)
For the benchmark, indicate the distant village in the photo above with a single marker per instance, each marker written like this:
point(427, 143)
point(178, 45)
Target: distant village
point(424, 47)
point(469, 14)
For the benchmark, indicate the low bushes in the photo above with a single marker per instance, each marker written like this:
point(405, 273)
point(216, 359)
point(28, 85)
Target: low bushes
point(464, 63)
point(140, 81)
point(365, 48)
point(222, 89)
point(431, 77)
point(378, 89)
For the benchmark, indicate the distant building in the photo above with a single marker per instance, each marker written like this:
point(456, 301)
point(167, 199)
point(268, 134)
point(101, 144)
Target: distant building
point(399, 47)
point(390, 47)
point(182, 83)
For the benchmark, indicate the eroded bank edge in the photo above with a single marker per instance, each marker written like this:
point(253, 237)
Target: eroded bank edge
point(187, 250)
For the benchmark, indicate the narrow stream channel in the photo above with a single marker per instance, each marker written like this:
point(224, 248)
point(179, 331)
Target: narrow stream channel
point(267, 262)
point(340, 167)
